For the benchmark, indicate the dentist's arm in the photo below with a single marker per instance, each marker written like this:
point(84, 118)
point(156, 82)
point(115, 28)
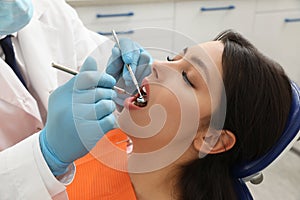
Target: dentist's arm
point(79, 114)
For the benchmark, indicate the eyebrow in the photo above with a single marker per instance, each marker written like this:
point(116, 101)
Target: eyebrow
point(199, 63)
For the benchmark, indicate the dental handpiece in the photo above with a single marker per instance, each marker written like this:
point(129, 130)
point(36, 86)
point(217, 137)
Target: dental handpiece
point(140, 98)
point(74, 72)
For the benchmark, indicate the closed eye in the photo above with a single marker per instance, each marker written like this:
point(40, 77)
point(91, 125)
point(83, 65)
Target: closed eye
point(169, 59)
point(186, 79)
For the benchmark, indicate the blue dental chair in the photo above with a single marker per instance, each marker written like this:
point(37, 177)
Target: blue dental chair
point(253, 171)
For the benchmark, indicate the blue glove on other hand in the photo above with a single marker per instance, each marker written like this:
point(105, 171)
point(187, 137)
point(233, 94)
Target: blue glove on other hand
point(133, 54)
point(79, 114)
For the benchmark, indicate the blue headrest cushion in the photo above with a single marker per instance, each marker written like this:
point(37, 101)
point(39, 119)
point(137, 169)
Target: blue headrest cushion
point(291, 129)
point(242, 190)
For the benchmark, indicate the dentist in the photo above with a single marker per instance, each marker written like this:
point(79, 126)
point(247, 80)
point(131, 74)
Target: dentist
point(44, 127)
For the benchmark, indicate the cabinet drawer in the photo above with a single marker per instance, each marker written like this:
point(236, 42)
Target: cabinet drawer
point(273, 5)
point(124, 13)
point(156, 36)
point(203, 20)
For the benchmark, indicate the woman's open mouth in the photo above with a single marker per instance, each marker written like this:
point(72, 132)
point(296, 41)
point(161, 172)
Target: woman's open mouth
point(137, 101)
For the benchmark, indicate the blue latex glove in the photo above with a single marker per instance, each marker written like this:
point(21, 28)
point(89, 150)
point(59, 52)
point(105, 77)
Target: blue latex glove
point(79, 114)
point(134, 55)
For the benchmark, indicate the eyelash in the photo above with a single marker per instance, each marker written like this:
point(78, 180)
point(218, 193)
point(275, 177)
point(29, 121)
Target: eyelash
point(186, 79)
point(169, 59)
point(184, 75)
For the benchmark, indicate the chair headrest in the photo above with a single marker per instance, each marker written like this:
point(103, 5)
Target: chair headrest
point(290, 134)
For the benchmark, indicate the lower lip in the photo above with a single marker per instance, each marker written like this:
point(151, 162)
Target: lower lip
point(128, 103)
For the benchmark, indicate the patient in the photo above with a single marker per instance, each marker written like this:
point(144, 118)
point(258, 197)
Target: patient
point(209, 108)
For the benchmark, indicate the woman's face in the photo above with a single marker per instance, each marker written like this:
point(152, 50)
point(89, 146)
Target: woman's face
point(179, 99)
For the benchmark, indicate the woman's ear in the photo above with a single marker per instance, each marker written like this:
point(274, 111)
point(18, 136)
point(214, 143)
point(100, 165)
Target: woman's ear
point(225, 142)
point(213, 144)
point(197, 143)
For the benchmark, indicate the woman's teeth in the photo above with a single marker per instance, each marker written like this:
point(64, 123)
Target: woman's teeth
point(143, 89)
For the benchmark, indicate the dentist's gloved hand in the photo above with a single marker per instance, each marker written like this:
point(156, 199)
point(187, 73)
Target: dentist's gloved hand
point(133, 54)
point(79, 114)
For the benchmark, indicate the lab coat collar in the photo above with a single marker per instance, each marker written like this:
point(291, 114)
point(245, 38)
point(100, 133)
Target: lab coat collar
point(39, 42)
point(13, 34)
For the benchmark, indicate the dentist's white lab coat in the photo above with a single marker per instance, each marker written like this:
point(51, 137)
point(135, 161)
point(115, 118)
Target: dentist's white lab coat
point(54, 34)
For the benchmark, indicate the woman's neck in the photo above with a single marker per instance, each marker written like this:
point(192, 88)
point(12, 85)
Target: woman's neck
point(160, 184)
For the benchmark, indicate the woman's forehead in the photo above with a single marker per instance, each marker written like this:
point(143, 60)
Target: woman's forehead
point(205, 54)
point(211, 49)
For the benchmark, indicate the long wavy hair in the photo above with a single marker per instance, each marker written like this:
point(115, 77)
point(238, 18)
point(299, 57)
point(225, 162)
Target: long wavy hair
point(258, 97)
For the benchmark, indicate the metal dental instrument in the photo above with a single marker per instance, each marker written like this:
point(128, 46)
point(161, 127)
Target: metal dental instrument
point(65, 69)
point(74, 72)
point(140, 98)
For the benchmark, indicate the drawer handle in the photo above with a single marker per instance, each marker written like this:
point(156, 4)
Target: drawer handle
point(115, 15)
point(230, 7)
point(288, 20)
point(117, 32)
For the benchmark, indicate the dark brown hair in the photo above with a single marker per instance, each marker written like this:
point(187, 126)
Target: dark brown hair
point(258, 95)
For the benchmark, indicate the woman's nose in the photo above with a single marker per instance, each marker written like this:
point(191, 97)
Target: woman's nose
point(155, 73)
point(155, 69)
point(164, 71)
